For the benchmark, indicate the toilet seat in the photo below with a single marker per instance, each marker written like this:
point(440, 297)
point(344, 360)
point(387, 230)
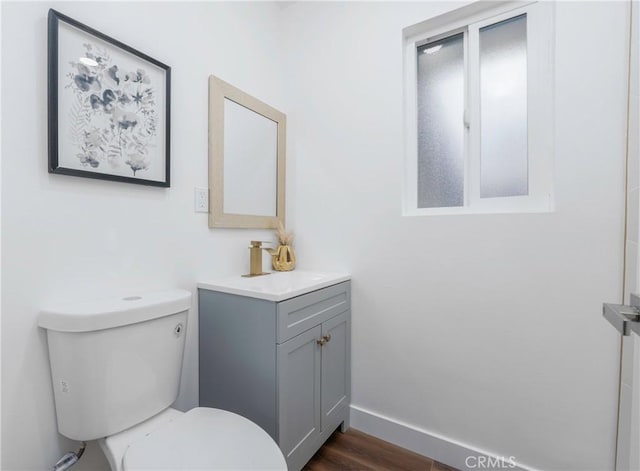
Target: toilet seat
point(205, 439)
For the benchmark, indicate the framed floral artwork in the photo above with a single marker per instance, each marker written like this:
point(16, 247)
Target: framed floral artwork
point(109, 107)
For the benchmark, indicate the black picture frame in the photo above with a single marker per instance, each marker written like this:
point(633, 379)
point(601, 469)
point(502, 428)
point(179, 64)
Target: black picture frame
point(106, 121)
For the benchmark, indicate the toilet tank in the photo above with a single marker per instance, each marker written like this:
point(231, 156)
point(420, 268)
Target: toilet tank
point(115, 362)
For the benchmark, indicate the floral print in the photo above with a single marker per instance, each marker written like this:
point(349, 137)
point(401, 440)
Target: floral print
point(113, 119)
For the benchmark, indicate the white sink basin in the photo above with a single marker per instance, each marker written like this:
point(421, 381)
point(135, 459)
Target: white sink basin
point(277, 286)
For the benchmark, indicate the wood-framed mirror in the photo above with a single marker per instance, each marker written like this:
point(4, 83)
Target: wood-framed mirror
point(247, 141)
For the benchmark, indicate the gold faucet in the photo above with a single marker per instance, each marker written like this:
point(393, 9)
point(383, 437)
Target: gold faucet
point(255, 259)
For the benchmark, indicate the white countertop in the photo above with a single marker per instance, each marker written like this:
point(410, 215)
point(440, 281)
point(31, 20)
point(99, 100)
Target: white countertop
point(277, 286)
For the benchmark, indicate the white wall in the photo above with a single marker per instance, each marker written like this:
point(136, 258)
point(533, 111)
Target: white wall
point(483, 330)
point(72, 238)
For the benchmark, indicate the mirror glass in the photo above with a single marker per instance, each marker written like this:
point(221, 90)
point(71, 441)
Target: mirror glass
point(250, 161)
point(246, 159)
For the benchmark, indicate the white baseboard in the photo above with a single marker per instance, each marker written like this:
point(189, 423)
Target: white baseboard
point(423, 442)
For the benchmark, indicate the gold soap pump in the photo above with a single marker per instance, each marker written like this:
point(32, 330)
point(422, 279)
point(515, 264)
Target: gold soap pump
point(255, 258)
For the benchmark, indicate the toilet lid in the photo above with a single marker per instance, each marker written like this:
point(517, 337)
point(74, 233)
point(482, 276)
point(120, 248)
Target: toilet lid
point(206, 439)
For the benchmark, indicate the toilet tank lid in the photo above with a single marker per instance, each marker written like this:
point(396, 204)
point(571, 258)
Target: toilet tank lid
point(102, 314)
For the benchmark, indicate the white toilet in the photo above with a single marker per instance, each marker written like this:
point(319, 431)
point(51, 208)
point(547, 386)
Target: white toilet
point(115, 367)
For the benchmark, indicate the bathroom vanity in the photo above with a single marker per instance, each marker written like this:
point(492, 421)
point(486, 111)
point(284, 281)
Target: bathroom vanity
point(276, 349)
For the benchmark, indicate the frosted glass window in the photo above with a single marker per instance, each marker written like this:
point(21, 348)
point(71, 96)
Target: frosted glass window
point(503, 109)
point(440, 96)
point(479, 111)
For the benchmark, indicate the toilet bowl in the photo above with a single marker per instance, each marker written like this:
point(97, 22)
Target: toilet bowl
point(200, 439)
point(115, 369)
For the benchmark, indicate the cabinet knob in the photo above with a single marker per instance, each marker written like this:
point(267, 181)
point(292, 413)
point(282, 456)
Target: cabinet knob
point(324, 339)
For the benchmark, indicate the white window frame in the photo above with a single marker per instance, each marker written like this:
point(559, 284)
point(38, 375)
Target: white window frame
point(540, 106)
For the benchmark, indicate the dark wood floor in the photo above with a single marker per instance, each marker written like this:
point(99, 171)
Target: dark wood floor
point(357, 451)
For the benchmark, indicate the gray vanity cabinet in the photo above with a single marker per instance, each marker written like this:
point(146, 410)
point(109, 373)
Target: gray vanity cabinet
point(335, 375)
point(284, 365)
point(299, 384)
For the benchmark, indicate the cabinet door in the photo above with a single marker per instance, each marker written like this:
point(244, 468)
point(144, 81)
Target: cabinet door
point(336, 375)
point(299, 397)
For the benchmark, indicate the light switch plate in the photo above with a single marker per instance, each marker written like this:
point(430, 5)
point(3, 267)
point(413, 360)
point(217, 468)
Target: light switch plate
point(201, 200)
